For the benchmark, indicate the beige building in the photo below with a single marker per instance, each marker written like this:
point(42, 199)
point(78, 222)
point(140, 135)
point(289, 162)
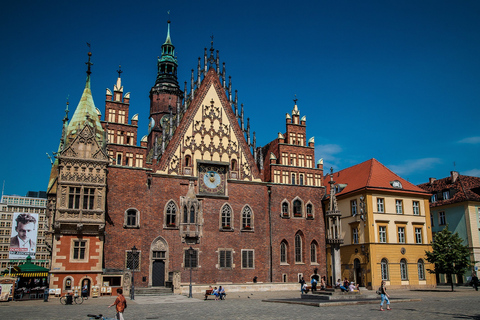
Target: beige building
point(10, 206)
point(385, 227)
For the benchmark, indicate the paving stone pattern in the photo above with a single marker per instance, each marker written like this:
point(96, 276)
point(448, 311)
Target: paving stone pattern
point(435, 304)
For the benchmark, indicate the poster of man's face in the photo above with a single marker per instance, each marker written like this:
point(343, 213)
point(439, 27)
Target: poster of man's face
point(23, 242)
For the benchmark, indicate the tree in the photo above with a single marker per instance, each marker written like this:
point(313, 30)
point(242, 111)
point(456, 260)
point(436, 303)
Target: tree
point(449, 255)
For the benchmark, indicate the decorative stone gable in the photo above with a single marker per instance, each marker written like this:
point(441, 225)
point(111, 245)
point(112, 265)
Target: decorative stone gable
point(209, 132)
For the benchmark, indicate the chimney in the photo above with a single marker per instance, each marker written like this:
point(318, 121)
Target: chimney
point(454, 175)
point(431, 180)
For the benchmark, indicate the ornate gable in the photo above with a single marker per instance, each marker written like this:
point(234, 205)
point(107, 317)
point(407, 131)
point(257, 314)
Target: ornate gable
point(209, 132)
point(84, 146)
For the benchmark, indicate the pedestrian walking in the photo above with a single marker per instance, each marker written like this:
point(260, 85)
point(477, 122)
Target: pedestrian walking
point(475, 281)
point(385, 296)
point(120, 303)
point(302, 282)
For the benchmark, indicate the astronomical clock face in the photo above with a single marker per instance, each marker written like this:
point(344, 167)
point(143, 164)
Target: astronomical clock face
point(211, 179)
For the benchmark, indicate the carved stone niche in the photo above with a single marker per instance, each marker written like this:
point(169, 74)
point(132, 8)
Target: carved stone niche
point(187, 171)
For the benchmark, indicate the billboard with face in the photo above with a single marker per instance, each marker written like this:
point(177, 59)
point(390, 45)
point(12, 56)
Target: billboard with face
point(23, 242)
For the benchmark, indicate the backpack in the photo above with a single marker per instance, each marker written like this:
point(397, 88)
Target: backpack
point(379, 290)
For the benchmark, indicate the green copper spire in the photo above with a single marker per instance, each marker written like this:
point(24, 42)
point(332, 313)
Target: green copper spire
point(167, 64)
point(86, 113)
point(168, 40)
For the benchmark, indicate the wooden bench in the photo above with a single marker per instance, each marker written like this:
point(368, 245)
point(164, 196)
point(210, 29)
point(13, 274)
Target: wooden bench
point(309, 288)
point(208, 292)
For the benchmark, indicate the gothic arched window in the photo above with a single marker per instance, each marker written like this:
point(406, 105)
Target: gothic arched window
point(297, 208)
point(226, 216)
point(247, 221)
point(171, 214)
point(298, 248)
point(283, 252)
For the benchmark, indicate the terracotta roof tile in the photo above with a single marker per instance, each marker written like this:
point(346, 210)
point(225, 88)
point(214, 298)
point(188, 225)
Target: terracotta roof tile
point(370, 174)
point(464, 188)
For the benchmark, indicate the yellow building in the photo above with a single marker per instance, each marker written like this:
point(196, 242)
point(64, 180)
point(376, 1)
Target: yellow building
point(385, 228)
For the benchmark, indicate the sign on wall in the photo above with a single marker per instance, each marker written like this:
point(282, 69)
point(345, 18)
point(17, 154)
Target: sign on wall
point(23, 242)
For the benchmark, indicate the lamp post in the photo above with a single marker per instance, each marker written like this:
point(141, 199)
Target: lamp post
point(190, 254)
point(134, 264)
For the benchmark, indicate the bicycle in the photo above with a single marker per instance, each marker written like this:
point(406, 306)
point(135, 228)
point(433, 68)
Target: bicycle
point(98, 317)
point(77, 299)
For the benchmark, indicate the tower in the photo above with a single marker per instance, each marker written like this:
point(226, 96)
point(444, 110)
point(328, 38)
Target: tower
point(165, 101)
point(76, 198)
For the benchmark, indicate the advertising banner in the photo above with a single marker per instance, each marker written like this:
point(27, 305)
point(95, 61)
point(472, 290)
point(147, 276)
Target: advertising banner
point(24, 235)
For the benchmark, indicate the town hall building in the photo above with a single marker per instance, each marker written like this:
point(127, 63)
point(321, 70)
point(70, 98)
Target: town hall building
point(196, 195)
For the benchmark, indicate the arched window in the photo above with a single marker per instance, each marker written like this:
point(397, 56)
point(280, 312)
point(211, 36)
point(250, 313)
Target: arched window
point(313, 252)
point(283, 252)
point(185, 214)
point(421, 269)
point(233, 165)
point(132, 217)
point(192, 214)
point(188, 161)
point(403, 270)
point(309, 211)
point(247, 221)
point(226, 216)
point(384, 269)
point(298, 248)
point(171, 214)
point(293, 178)
point(297, 208)
point(301, 179)
point(285, 209)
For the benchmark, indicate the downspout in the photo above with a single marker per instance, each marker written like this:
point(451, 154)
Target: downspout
point(270, 230)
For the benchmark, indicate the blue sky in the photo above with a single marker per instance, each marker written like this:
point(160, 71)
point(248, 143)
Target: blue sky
point(393, 80)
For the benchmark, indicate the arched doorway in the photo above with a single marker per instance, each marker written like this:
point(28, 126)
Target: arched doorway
point(158, 262)
point(358, 272)
point(83, 283)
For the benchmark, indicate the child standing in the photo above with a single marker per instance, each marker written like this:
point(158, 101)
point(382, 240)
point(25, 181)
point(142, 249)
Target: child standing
point(120, 303)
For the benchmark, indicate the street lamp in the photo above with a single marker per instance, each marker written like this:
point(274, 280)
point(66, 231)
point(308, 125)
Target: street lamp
point(134, 264)
point(190, 254)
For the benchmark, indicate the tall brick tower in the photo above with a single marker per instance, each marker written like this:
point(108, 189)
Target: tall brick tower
point(165, 101)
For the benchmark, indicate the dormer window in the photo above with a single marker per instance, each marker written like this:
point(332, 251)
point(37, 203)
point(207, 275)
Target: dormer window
point(446, 195)
point(433, 198)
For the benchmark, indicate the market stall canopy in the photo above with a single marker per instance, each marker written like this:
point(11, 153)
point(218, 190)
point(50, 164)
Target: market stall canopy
point(28, 269)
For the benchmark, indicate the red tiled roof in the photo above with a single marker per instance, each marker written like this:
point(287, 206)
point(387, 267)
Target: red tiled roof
point(465, 188)
point(370, 174)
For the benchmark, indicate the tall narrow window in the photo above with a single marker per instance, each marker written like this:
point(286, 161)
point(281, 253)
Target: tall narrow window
point(353, 207)
point(418, 235)
point(298, 248)
point(309, 211)
point(416, 208)
point(399, 206)
point(313, 252)
point(355, 235)
point(421, 269)
point(380, 205)
point(185, 214)
point(401, 234)
point(88, 198)
point(300, 180)
point(226, 216)
point(403, 270)
point(74, 198)
point(441, 218)
point(247, 218)
point(171, 214)
point(293, 178)
point(285, 209)
point(384, 269)
point(192, 214)
point(283, 252)
point(233, 165)
point(297, 208)
point(382, 234)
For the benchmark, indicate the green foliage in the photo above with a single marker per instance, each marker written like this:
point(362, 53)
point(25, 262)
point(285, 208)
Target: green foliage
point(449, 255)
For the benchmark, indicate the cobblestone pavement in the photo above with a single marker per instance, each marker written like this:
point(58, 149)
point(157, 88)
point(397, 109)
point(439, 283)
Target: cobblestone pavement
point(435, 304)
